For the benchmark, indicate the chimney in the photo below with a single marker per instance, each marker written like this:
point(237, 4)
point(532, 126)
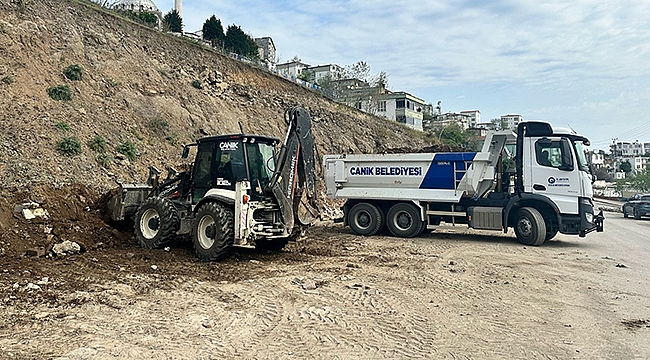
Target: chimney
point(178, 6)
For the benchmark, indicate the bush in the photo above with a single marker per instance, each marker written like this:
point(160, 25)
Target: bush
point(60, 93)
point(104, 160)
point(8, 80)
point(158, 125)
point(62, 125)
point(69, 146)
point(98, 144)
point(127, 149)
point(197, 84)
point(173, 139)
point(74, 72)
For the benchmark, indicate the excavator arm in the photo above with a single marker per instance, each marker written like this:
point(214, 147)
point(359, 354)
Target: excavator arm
point(294, 181)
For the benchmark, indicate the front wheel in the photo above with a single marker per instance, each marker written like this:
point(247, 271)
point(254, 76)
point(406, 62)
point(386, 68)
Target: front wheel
point(637, 216)
point(403, 220)
point(530, 227)
point(625, 213)
point(213, 231)
point(156, 222)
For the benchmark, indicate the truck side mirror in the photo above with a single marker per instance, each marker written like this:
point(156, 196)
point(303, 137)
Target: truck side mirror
point(567, 158)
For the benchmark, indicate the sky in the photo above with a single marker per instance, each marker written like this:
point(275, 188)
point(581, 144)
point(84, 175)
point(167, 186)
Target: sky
point(583, 64)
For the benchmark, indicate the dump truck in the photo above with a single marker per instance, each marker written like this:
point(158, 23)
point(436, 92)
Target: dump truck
point(241, 190)
point(536, 180)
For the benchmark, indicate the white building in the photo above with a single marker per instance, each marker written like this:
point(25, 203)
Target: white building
point(511, 121)
point(625, 148)
point(598, 158)
point(318, 72)
point(473, 117)
point(292, 69)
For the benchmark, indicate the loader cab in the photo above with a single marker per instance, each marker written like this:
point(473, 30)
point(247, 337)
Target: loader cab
point(222, 161)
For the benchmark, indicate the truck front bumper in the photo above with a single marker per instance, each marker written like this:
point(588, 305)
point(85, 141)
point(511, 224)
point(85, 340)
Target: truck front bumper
point(585, 222)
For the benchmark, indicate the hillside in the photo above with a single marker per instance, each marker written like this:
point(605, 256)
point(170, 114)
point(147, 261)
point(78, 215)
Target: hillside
point(137, 87)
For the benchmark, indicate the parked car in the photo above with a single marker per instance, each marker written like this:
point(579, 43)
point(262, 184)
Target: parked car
point(637, 205)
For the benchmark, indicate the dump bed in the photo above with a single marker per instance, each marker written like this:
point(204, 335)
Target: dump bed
point(421, 176)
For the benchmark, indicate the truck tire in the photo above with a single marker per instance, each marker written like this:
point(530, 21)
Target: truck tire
point(366, 219)
point(530, 227)
point(550, 234)
point(403, 220)
point(213, 232)
point(156, 222)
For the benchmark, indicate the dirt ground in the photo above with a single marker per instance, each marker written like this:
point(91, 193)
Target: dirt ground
point(454, 293)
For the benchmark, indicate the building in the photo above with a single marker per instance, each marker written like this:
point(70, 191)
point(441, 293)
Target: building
point(510, 121)
point(292, 69)
point(267, 50)
point(473, 117)
point(624, 148)
point(598, 158)
point(443, 120)
point(334, 71)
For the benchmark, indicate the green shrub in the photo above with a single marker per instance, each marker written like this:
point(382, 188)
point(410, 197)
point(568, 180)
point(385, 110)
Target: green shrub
point(69, 146)
point(60, 93)
point(62, 125)
point(136, 133)
point(74, 72)
point(158, 125)
point(113, 83)
point(104, 160)
point(197, 84)
point(8, 80)
point(173, 139)
point(127, 149)
point(98, 144)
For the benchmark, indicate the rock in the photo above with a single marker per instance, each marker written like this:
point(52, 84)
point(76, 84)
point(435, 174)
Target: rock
point(66, 248)
point(43, 281)
point(154, 267)
point(130, 255)
point(309, 284)
point(207, 323)
point(31, 286)
point(621, 265)
point(35, 252)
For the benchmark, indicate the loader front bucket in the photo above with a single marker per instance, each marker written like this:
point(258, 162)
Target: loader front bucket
point(127, 200)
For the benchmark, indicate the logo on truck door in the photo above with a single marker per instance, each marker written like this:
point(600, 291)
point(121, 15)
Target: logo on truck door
point(563, 181)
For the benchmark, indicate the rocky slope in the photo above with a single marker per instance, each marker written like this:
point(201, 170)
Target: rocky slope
point(137, 87)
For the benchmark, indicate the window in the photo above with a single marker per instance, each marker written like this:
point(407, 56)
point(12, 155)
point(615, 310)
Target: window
point(549, 153)
point(401, 119)
point(399, 104)
point(381, 106)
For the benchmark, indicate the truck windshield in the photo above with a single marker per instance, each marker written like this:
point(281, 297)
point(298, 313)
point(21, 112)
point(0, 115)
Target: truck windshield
point(581, 153)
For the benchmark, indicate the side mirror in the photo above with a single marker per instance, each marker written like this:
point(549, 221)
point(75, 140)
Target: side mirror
point(567, 158)
point(186, 152)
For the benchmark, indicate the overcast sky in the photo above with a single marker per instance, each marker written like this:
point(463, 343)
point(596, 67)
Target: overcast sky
point(578, 63)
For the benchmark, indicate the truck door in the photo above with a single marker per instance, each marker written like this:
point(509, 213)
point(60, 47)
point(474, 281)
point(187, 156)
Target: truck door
point(552, 172)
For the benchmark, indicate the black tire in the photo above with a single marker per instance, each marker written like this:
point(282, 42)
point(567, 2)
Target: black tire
point(636, 214)
point(403, 220)
point(213, 232)
point(625, 215)
point(271, 245)
point(550, 234)
point(530, 227)
point(156, 223)
point(366, 219)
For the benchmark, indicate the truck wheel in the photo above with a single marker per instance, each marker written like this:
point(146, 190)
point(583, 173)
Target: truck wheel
point(366, 219)
point(550, 234)
point(271, 245)
point(403, 220)
point(213, 231)
point(156, 222)
point(530, 227)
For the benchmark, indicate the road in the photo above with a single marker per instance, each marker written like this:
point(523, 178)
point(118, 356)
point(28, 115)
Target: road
point(453, 294)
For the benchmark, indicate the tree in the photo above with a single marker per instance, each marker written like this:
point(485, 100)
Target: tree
point(173, 22)
point(213, 31)
point(455, 135)
point(626, 166)
point(144, 17)
point(239, 42)
point(641, 181)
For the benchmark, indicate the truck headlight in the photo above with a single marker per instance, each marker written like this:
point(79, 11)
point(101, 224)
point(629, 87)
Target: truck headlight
point(589, 217)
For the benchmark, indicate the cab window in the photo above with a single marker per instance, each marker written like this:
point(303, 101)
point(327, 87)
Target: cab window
point(549, 153)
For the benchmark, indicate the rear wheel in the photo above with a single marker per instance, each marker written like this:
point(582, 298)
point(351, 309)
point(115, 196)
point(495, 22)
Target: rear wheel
point(366, 219)
point(530, 227)
point(403, 220)
point(213, 231)
point(637, 216)
point(625, 212)
point(156, 223)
